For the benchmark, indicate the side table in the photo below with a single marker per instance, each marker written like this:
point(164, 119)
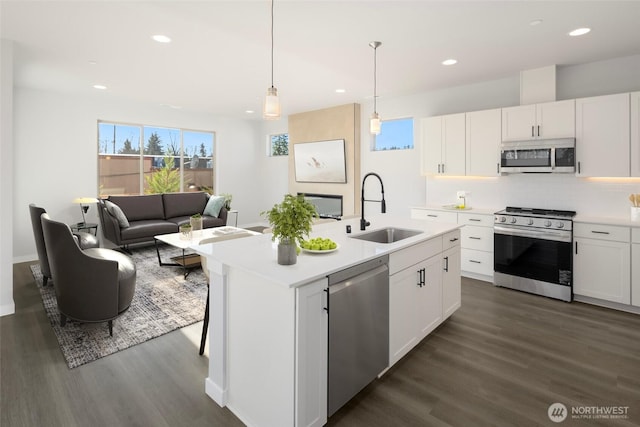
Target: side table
point(91, 227)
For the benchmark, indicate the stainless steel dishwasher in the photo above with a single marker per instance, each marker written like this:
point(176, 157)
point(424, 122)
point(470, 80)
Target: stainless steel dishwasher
point(358, 329)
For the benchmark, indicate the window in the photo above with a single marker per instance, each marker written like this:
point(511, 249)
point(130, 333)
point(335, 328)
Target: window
point(395, 135)
point(279, 144)
point(136, 159)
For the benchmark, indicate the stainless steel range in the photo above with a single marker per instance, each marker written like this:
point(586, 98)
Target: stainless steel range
point(533, 251)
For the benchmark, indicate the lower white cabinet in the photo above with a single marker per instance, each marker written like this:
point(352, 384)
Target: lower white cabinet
point(602, 262)
point(635, 267)
point(451, 292)
point(311, 354)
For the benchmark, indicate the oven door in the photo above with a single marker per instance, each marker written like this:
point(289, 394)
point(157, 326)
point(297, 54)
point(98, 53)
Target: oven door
point(537, 254)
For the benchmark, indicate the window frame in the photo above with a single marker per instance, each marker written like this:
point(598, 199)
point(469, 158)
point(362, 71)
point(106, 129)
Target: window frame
point(270, 138)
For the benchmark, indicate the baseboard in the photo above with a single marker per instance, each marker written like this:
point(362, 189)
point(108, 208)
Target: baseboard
point(216, 393)
point(7, 309)
point(477, 276)
point(607, 304)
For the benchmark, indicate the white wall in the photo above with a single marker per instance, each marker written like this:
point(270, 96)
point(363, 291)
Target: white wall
point(55, 154)
point(273, 171)
point(6, 177)
point(400, 169)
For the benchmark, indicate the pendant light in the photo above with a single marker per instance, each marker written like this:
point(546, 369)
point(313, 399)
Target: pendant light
point(271, 109)
point(374, 124)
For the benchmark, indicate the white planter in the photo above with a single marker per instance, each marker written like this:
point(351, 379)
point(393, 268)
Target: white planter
point(635, 213)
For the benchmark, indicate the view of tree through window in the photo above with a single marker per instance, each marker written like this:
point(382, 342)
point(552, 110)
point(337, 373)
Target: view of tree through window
point(279, 144)
point(395, 135)
point(136, 159)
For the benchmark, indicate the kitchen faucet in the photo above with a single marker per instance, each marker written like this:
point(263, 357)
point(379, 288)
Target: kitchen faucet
point(383, 204)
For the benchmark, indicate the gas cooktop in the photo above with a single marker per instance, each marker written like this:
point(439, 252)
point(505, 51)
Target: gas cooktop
point(543, 213)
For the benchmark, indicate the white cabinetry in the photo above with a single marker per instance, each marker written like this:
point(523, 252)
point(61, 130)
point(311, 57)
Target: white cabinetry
point(603, 135)
point(635, 134)
point(635, 267)
point(539, 121)
point(415, 295)
point(311, 354)
point(483, 136)
point(602, 262)
point(443, 145)
point(451, 292)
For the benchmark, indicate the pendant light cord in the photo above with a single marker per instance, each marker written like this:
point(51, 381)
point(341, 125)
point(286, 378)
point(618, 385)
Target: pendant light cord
point(272, 43)
point(375, 79)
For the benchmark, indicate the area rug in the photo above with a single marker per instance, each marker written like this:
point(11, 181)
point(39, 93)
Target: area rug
point(164, 301)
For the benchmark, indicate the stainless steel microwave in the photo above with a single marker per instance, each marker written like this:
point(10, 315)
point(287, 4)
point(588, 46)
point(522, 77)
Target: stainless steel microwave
point(538, 156)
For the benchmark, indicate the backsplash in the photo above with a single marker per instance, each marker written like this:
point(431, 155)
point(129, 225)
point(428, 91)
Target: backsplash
point(606, 197)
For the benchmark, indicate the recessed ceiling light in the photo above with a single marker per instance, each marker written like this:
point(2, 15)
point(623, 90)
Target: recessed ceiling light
point(100, 87)
point(249, 111)
point(449, 62)
point(535, 22)
point(161, 39)
point(340, 90)
point(579, 32)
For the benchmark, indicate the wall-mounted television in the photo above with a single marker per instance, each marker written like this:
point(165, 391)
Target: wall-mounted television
point(321, 161)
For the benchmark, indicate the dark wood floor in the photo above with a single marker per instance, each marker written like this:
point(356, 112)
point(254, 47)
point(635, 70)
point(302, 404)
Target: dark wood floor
point(501, 360)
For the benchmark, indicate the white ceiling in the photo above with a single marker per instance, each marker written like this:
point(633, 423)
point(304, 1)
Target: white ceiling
point(219, 59)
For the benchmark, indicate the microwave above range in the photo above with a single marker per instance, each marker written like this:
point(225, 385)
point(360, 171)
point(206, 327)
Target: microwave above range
point(539, 156)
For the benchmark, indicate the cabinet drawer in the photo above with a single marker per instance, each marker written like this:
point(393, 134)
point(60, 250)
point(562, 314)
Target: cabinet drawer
point(479, 262)
point(407, 257)
point(475, 219)
point(451, 239)
point(434, 215)
point(478, 238)
point(602, 232)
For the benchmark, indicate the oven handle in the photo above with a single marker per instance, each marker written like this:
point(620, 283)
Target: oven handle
point(555, 235)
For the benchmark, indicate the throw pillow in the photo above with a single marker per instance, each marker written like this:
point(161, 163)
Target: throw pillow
point(117, 212)
point(214, 205)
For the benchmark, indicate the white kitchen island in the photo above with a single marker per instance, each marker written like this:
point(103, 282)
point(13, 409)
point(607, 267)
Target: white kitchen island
point(268, 323)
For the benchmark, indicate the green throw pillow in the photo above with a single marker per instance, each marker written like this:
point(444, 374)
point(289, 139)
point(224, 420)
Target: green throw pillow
point(214, 205)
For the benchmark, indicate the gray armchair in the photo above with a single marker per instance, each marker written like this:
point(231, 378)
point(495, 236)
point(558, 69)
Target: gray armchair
point(91, 285)
point(85, 240)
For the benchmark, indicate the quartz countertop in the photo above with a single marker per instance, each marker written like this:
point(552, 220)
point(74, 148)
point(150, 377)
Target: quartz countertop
point(621, 221)
point(471, 210)
point(258, 254)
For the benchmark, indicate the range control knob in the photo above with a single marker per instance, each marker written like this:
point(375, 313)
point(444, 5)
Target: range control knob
point(513, 220)
point(560, 224)
point(503, 219)
point(530, 222)
point(547, 223)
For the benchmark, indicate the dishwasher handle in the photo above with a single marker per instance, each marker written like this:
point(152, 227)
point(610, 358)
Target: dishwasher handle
point(360, 279)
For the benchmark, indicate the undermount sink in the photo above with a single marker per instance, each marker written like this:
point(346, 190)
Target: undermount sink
point(387, 235)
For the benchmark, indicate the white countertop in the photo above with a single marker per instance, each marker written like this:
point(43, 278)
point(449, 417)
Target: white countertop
point(258, 254)
point(472, 210)
point(621, 221)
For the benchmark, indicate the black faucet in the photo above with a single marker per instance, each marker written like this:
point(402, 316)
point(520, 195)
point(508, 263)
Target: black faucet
point(383, 204)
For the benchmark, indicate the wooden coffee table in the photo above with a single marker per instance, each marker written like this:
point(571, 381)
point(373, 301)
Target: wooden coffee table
point(189, 261)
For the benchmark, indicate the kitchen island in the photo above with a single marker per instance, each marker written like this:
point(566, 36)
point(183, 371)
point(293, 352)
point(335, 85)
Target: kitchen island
point(268, 324)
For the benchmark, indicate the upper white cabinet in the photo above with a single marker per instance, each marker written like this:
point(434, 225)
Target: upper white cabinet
point(539, 121)
point(603, 135)
point(443, 145)
point(483, 136)
point(635, 135)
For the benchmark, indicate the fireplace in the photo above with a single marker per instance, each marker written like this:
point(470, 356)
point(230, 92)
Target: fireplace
point(327, 205)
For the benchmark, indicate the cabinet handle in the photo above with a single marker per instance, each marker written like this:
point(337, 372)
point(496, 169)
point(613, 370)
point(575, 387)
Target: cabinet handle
point(599, 232)
point(446, 264)
point(443, 168)
point(576, 248)
point(578, 167)
point(327, 307)
point(532, 133)
point(432, 215)
point(453, 240)
point(497, 167)
point(475, 238)
point(438, 167)
point(420, 283)
point(474, 261)
point(538, 130)
point(475, 219)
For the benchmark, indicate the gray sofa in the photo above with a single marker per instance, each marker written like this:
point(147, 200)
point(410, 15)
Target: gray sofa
point(154, 214)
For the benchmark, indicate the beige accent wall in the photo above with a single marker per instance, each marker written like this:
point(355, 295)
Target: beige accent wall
point(341, 122)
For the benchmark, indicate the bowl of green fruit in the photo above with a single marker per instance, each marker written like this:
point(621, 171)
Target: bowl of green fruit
point(319, 245)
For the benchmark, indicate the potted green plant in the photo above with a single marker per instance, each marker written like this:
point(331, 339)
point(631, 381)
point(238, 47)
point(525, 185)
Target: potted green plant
point(196, 221)
point(227, 200)
point(185, 231)
point(290, 221)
